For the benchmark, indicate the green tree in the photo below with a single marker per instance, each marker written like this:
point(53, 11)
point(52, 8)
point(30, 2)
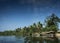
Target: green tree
point(31, 29)
point(39, 27)
point(25, 31)
point(34, 27)
point(52, 23)
point(18, 31)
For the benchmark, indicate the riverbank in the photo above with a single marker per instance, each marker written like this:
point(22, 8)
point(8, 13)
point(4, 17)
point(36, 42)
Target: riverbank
point(57, 34)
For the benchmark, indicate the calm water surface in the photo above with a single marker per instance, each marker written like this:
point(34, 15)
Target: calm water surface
point(14, 39)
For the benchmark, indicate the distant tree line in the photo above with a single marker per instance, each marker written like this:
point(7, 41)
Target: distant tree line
point(51, 24)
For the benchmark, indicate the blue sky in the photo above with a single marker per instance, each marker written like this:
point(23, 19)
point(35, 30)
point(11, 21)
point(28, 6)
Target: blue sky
point(20, 13)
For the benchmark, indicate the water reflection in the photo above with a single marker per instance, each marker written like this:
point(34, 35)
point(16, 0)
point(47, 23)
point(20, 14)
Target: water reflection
point(52, 40)
point(41, 40)
point(19, 39)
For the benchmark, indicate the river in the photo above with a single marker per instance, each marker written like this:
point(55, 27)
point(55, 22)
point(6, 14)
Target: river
point(18, 39)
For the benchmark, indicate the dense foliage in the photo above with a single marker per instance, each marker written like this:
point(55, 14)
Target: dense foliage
point(51, 24)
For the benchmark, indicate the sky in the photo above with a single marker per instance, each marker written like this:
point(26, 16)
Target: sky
point(20, 13)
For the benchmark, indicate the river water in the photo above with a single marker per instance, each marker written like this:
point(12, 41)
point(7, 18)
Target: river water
point(18, 39)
